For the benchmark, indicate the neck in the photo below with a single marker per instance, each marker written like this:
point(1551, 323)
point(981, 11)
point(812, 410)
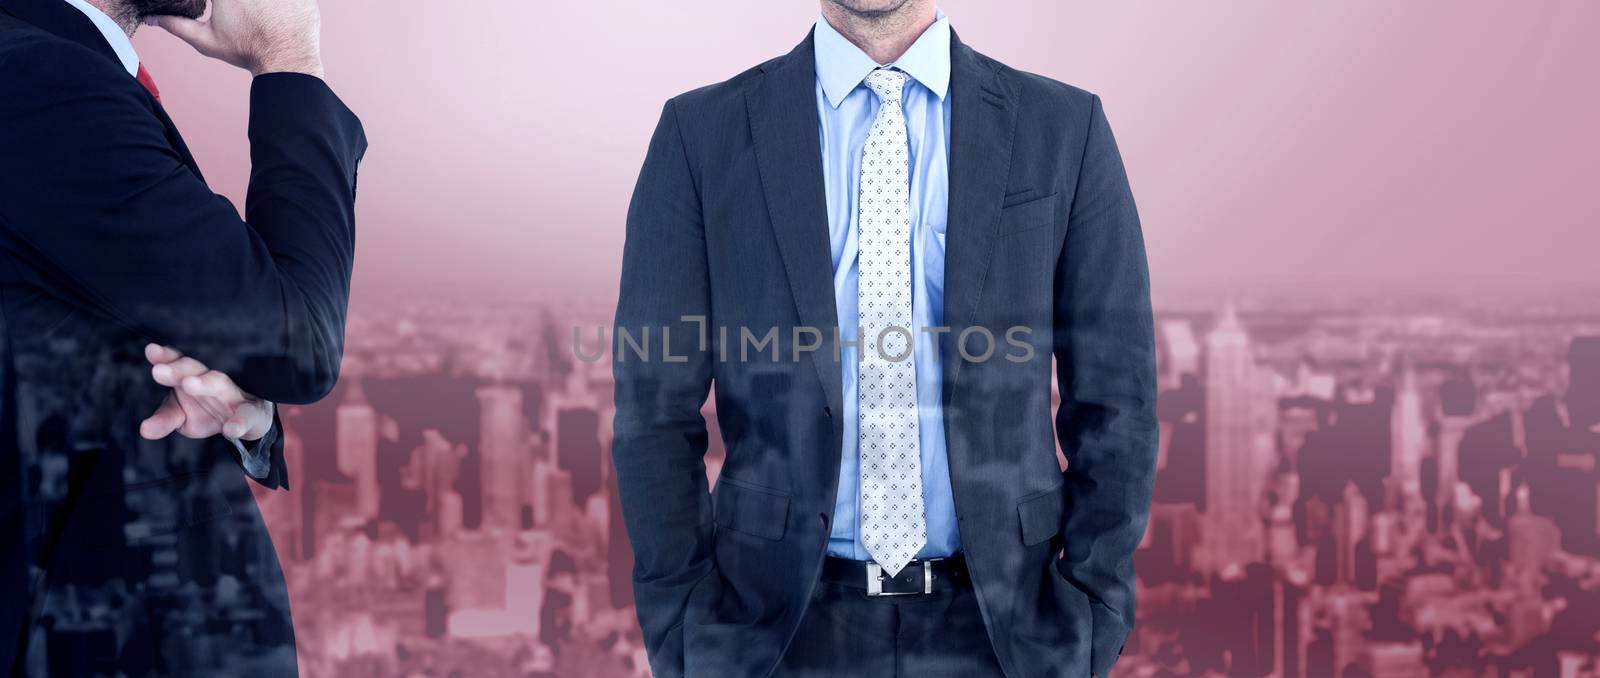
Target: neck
point(883, 34)
point(119, 12)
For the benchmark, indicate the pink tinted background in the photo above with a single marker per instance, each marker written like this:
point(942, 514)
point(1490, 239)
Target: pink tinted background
point(1303, 158)
point(1267, 142)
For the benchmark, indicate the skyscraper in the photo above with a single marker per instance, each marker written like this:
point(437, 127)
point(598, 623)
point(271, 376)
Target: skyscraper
point(1583, 382)
point(439, 464)
point(578, 451)
point(1179, 352)
point(1451, 430)
point(1533, 538)
point(357, 447)
point(501, 445)
point(1238, 448)
point(1409, 435)
point(1349, 531)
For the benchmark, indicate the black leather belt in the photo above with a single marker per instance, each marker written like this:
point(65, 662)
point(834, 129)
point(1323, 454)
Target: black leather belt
point(917, 578)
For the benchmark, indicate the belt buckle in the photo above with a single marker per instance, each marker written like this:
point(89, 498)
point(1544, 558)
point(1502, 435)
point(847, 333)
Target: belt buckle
point(875, 580)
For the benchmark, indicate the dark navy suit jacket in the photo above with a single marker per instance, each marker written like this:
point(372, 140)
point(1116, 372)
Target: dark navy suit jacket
point(728, 228)
point(110, 238)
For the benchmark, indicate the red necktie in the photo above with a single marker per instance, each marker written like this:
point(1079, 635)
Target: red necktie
point(148, 82)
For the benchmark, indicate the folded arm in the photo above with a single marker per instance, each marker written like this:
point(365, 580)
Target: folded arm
point(1105, 361)
point(109, 209)
point(205, 403)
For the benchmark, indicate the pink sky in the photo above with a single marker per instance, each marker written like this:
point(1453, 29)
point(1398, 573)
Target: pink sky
point(1268, 142)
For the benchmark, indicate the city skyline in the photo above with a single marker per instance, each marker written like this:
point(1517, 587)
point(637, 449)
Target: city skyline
point(1355, 425)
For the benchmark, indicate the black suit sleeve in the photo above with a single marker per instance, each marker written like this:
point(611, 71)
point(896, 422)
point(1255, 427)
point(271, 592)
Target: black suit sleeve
point(1105, 361)
point(660, 435)
point(99, 198)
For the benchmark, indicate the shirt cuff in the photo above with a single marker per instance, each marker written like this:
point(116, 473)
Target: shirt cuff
point(256, 455)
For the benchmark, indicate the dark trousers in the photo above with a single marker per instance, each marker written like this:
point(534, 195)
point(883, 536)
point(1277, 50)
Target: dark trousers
point(846, 634)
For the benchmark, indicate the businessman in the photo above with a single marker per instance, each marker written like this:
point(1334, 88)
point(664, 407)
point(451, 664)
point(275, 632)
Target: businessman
point(876, 248)
point(136, 304)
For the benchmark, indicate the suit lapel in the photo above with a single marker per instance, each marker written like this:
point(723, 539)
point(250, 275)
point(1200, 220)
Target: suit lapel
point(63, 20)
point(783, 123)
point(982, 119)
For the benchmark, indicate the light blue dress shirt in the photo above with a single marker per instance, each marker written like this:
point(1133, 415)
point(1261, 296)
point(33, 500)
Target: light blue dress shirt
point(846, 109)
point(113, 34)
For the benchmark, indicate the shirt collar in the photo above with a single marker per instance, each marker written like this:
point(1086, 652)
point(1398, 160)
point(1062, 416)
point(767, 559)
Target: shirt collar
point(841, 66)
point(114, 35)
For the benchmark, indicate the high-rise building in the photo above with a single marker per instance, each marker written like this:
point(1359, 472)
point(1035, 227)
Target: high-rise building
point(577, 441)
point(539, 490)
point(439, 468)
point(1486, 457)
point(1409, 435)
point(1290, 621)
point(336, 514)
point(502, 444)
point(1533, 538)
point(1282, 545)
point(476, 566)
point(1179, 352)
point(1349, 620)
point(1451, 430)
point(435, 608)
point(1181, 469)
point(1583, 382)
point(1239, 448)
point(571, 415)
point(1349, 531)
point(525, 580)
point(357, 447)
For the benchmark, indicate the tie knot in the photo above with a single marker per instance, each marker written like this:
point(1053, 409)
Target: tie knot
point(886, 83)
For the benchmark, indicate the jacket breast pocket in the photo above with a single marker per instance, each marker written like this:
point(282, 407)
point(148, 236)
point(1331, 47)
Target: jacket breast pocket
point(1028, 215)
point(751, 509)
point(1041, 514)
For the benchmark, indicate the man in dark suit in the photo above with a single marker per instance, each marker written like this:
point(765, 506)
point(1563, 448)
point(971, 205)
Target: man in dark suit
point(873, 247)
point(127, 287)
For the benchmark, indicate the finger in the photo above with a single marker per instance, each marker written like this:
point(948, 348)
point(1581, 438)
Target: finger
point(197, 33)
point(237, 425)
point(166, 419)
point(250, 421)
point(262, 421)
point(173, 373)
point(212, 384)
point(158, 354)
point(200, 428)
point(212, 410)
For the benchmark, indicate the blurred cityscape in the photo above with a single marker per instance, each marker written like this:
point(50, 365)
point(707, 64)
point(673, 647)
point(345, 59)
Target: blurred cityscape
point(1346, 488)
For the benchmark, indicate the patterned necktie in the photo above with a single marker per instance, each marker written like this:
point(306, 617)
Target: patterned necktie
point(143, 76)
point(892, 524)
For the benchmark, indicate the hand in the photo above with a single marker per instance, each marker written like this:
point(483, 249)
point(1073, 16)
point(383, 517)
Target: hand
point(203, 402)
point(261, 36)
